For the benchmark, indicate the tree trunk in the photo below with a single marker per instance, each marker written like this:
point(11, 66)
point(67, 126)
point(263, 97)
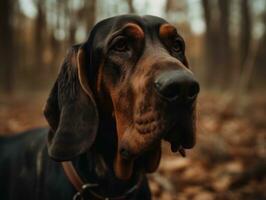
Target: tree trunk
point(244, 43)
point(245, 32)
point(91, 15)
point(217, 44)
point(7, 49)
point(39, 38)
point(131, 6)
point(211, 55)
point(261, 55)
point(224, 48)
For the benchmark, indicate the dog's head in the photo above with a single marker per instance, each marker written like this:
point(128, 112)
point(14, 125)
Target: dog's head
point(134, 68)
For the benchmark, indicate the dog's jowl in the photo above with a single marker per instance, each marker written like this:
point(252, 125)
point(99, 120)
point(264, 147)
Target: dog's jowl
point(116, 97)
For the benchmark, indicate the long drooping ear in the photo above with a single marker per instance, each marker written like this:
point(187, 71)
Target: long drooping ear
point(71, 109)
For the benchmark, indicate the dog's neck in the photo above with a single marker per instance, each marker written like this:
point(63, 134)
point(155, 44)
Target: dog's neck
point(96, 166)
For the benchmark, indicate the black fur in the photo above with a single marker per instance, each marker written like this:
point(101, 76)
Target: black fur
point(27, 172)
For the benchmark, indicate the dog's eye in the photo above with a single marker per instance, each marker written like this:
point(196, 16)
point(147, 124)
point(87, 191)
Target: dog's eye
point(120, 44)
point(177, 45)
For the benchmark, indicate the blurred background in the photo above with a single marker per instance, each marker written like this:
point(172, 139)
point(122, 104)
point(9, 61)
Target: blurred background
point(226, 48)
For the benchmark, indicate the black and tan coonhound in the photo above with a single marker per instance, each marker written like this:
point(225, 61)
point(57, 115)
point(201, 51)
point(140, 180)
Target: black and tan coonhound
point(116, 97)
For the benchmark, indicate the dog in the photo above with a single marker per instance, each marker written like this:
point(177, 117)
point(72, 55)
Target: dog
point(116, 97)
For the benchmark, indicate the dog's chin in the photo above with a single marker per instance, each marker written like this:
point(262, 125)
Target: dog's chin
point(139, 151)
point(147, 162)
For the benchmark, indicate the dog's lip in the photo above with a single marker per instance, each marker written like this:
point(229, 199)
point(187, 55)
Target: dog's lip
point(153, 123)
point(175, 140)
point(177, 145)
point(166, 131)
point(179, 148)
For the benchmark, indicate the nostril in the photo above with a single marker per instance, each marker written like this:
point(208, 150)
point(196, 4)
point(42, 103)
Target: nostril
point(193, 91)
point(169, 91)
point(172, 91)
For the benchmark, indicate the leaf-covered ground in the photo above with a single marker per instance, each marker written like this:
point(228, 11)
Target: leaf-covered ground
point(228, 162)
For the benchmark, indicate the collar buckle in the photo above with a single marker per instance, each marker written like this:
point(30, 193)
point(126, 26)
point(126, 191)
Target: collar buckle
point(79, 195)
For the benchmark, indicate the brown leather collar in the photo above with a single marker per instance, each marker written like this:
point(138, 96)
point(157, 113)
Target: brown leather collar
point(80, 186)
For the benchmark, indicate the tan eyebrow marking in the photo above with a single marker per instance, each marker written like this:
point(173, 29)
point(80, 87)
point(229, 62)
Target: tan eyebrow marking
point(167, 30)
point(134, 30)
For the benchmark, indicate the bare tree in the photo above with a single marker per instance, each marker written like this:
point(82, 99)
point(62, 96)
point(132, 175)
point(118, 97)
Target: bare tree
point(211, 40)
point(131, 6)
point(261, 54)
point(39, 35)
point(245, 49)
point(225, 51)
point(245, 32)
point(7, 58)
point(73, 22)
point(218, 50)
point(90, 13)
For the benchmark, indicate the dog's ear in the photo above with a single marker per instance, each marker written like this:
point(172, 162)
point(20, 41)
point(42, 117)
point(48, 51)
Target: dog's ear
point(71, 109)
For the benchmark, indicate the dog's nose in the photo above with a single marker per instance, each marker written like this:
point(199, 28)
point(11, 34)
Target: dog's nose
point(177, 85)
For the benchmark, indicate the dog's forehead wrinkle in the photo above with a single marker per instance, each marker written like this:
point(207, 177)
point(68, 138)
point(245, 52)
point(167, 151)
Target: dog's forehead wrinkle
point(147, 23)
point(106, 26)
